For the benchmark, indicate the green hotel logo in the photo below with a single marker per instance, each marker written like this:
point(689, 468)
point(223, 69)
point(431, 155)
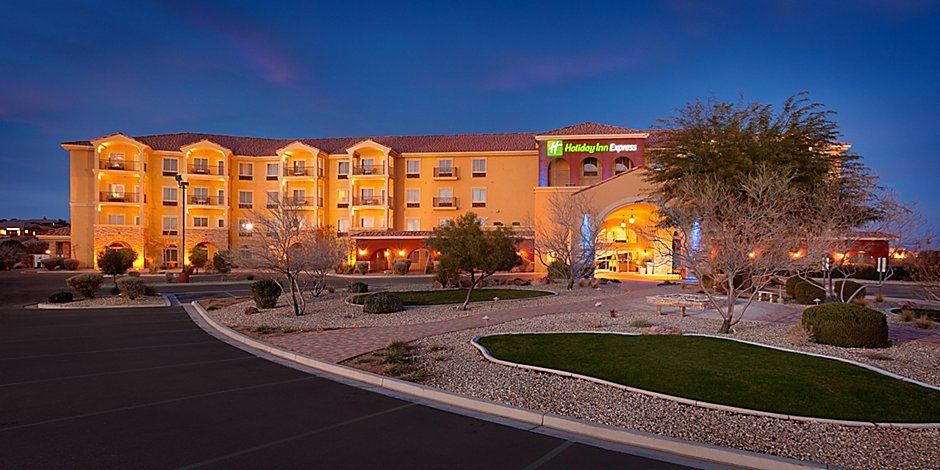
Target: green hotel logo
point(555, 148)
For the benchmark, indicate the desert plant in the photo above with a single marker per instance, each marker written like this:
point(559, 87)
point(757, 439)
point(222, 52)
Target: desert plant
point(131, 287)
point(357, 287)
point(807, 293)
point(382, 302)
point(51, 263)
point(330, 289)
point(86, 285)
point(907, 315)
point(799, 335)
point(70, 264)
point(640, 324)
point(362, 267)
point(401, 266)
point(222, 262)
point(879, 298)
point(924, 322)
point(846, 325)
point(265, 293)
point(114, 262)
point(446, 275)
point(60, 297)
point(149, 291)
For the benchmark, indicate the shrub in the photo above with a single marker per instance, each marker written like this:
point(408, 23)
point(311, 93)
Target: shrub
point(86, 285)
point(382, 302)
point(401, 266)
point(362, 267)
point(199, 256)
point(222, 262)
point(60, 297)
point(357, 287)
point(51, 263)
point(558, 270)
point(446, 275)
point(344, 268)
point(640, 324)
point(907, 315)
point(133, 273)
point(115, 290)
point(846, 325)
point(924, 322)
point(265, 293)
point(850, 288)
point(790, 285)
point(149, 291)
point(114, 262)
point(70, 264)
point(131, 287)
point(807, 293)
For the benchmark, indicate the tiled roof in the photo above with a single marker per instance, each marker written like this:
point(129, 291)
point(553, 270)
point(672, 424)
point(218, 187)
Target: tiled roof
point(262, 146)
point(59, 231)
point(417, 233)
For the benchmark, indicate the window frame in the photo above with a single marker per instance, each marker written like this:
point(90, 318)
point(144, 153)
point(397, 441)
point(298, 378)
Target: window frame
point(250, 175)
point(176, 196)
point(251, 200)
point(473, 199)
point(171, 172)
point(172, 231)
point(474, 173)
point(408, 172)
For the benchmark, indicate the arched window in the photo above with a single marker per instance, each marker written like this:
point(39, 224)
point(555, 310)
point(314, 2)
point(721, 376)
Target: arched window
point(622, 164)
point(589, 167)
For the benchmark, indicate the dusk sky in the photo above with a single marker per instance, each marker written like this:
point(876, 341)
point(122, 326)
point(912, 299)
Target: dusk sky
point(284, 69)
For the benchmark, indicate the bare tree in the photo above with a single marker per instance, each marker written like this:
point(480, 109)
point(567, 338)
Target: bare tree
point(323, 252)
point(925, 267)
point(746, 233)
point(568, 239)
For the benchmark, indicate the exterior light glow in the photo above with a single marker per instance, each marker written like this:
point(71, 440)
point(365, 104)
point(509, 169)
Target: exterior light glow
point(752, 255)
point(249, 226)
point(401, 252)
point(631, 219)
point(362, 251)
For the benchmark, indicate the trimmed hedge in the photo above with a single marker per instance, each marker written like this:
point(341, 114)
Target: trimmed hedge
point(850, 288)
point(382, 302)
point(358, 288)
point(61, 297)
point(847, 325)
point(70, 264)
point(807, 293)
point(86, 285)
point(265, 293)
point(401, 266)
point(790, 285)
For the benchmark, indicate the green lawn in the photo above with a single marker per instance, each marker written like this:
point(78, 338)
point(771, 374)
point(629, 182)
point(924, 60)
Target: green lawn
point(454, 296)
point(931, 313)
point(728, 373)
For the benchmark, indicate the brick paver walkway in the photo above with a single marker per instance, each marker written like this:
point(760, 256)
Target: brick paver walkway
point(341, 344)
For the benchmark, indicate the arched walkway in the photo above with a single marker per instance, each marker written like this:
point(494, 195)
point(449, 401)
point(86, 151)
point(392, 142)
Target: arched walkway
point(420, 258)
point(630, 244)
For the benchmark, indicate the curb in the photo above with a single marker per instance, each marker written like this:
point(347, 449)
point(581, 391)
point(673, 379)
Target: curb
point(714, 406)
point(688, 449)
point(48, 306)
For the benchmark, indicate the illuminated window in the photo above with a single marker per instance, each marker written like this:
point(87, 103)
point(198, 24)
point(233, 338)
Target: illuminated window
point(413, 225)
point(622, 164)
point(170, 226)
point(271, 199)
point(170, 196)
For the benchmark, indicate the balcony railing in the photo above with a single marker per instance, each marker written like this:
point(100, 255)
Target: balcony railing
point(372, 201)
point(365, 170)
point(303, 201)
point(303, 171)
point(445, 172)
point(114, 196)
point(206, 170)
point(206, 201)
point(115, 164)
point(444, 202)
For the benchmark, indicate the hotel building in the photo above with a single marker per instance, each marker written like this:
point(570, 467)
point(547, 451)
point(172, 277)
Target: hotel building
point(386, 193)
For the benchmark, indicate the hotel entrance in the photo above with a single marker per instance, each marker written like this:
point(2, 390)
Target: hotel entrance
point(631, 246)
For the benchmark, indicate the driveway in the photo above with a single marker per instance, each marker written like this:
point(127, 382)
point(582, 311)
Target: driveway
point(147, 388)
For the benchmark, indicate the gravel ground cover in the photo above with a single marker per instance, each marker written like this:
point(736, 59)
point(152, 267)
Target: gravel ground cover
point(114, 300)
point(331, 311)
point(451, 363)
point(454, 296)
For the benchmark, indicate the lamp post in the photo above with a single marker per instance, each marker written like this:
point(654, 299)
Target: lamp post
point(182, 185)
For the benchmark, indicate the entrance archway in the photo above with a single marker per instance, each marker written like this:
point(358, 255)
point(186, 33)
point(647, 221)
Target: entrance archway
point(419, 260)
point(631, 244)
point(380, 260)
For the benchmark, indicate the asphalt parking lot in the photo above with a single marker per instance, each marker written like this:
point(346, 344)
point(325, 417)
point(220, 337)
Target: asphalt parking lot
point(148, 388)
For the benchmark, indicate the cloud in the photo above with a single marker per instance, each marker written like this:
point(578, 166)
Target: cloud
point(526, 72)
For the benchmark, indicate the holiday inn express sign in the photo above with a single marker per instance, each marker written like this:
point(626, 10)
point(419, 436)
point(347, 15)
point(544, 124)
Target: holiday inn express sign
point(558, 148)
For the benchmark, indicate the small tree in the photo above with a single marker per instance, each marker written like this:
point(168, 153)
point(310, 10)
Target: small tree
point(568, 237)
point(11, 252)
point(199, 257)
point(222, 261)
point(471, 250)
point(323, 251)
point(114, 262)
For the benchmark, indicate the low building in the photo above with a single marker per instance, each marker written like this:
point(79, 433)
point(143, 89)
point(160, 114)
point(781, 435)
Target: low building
point(386, 193)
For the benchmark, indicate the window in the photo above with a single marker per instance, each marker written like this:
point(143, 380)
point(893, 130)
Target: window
point(342, 225)
point(589, 167)
point(497, 223)
point(115, 219)
point(517, 224)
point(412, 198)
point(245, 227)
point(300, 197)
point(170, 256)
point(116, 161)
point(271, 199)
point(200, 196)
point(116, 192)
point(479, 167)
point(413, 225)
point(220, 223)
point(171, 166)
point(443, 221)
point(342, 170)
point(137, 220)
point(272, 169)
point(479, 197)
point(367, 222)
point(221, 196)
point(368, 166)
point(622, 164)
point(299, 168)
point(170, 196)
point(342, 198)
point(201, 165)
point(245, 199)
point(412, 168)
point(445, 198)
point(170, 226)
point(221, 168)
point(367, 197)
point(200, 221)
point(445, 169)
point(245, 171)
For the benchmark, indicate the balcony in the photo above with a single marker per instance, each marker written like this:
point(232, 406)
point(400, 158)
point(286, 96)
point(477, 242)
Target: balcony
point(206, 201)
point(372, 170)
point(445, 173)
point(444, 203)
point(372, 201)
point(119, 165)
point(119, 197)
point(204, 170)
point(303, 201)
point(299, 171)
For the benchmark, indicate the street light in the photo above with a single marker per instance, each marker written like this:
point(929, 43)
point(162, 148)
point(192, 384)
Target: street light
point(182, 185)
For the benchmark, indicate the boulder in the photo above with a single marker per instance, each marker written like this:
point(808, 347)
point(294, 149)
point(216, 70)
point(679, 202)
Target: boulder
point(251, 310)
